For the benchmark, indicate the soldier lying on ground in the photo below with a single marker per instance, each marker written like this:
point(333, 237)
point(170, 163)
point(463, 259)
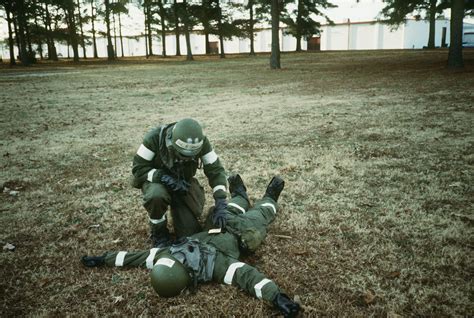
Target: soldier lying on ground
point(213, 254)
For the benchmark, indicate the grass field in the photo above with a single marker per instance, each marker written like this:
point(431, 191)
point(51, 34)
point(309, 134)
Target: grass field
point(376, 149)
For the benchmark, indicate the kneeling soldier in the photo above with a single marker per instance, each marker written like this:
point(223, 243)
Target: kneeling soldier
point(213, 254)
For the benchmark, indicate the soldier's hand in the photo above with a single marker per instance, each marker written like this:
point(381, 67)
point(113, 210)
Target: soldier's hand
point(181, 186)
point(287, 307)
point(219, 217)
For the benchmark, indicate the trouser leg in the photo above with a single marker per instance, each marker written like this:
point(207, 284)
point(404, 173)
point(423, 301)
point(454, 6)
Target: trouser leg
point(252, 225)
point(238, 205)
point(156, 199)
point(186, 210)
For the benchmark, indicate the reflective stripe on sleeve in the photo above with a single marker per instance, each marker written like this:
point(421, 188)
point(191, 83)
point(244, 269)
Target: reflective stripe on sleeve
point(237, 207)
point(120, 258)
point(151, 257)
point(145, 153)
point(270, 205)
point(209, 158)
point(229, 275)
point(259, 286)
point(150, 175)
point(219, 187)
point(158, 221)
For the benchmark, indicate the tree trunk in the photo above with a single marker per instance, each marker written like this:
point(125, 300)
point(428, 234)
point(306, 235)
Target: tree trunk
point(115, 34)
point(93, 31)
point(206, 40)
point(83, 44)
point(72, 30)
point(52, 53)
point(10, 37)
point(145, 30)
point(31, 53)
point(163, 28)
point(299, 26)
point(189, 53)
point(275, 56)
point(219, 27)
point(432, 14)
point(176, 28)
point(24, 58)
point(455, 58)
point(120, 34)
point(150, 34)
point(251, 27)
point(110, 47)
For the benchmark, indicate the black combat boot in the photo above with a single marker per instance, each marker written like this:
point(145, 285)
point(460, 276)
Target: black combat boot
point(159, 236)
point(93, 261)
point(274, 188)
point(237, 187)
point(286, 306)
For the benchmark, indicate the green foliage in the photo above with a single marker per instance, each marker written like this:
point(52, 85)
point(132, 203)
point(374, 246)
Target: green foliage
point(301, 21)
point(397, 10)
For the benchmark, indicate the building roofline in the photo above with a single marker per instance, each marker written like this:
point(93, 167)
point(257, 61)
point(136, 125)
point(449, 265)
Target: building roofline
point(386, 21)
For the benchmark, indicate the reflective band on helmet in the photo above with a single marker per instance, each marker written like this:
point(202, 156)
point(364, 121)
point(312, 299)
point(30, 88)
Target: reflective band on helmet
point(209, 158)
point(259, 286)
point(219, 187)
point(158, 221)
point(165, 261)
point(120, 258)
point(229, 275)
point(151, 258)
point(150, 175)
point(145, 153)
point(270, 205)
point(190, 145)
point(237, 207)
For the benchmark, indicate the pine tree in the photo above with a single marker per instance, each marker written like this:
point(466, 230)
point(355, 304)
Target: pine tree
point(300, 21)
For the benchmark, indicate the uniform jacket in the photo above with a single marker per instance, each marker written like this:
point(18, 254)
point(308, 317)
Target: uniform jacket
point(155, 157)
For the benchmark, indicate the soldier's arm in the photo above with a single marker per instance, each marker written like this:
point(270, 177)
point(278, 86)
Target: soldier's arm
point(143, 168)
point(144, 258)
point(214, 170)
point(230, 271)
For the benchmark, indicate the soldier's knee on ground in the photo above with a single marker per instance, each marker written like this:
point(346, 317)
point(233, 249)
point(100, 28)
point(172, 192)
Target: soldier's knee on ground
point(155, 197)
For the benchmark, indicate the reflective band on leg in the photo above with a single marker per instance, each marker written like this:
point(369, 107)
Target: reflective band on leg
point(151, 257)
point(158, 221)
point(229, 275)
point(259, 286)
point(237, 207)
point(145, 153)
point(219, 187)
point(150, 175)
point(209, 158)
point(120, 258)
point(270, 205)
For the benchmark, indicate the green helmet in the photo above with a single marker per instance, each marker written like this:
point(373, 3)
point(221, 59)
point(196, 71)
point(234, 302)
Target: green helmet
point(187, 137)
point(169, 277)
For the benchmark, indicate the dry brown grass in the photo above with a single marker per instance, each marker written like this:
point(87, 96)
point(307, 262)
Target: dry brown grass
point(376, 148)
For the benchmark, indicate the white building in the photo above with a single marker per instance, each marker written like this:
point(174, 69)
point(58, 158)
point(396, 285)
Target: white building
point(375, 35)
